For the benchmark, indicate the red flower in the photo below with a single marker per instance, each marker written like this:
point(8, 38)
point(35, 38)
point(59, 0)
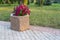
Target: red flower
point(22, 9)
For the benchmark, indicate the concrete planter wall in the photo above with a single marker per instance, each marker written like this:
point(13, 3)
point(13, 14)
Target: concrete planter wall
point(19, 23)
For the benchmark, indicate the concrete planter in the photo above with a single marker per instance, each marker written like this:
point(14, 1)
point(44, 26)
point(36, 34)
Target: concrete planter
point(19, 23)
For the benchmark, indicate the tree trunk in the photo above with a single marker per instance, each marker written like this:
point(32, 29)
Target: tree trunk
point(25, 2)
point(32, 1)
point(41, 2)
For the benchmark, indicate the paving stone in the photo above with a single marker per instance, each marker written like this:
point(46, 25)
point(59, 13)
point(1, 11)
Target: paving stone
point(7, 34)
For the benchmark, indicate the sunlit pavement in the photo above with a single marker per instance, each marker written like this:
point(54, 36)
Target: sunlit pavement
point(34, 33)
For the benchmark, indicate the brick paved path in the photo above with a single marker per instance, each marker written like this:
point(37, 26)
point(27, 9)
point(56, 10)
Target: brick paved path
point(35, 33)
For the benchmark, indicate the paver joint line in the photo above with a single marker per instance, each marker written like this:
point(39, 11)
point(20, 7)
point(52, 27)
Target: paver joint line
point(35, 33)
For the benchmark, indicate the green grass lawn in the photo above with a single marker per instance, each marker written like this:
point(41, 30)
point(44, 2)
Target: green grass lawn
point(41, 16)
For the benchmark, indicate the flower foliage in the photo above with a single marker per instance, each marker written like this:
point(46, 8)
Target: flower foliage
point(22, 10)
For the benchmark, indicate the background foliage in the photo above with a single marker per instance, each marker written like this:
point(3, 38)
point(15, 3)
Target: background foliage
point(38, 2)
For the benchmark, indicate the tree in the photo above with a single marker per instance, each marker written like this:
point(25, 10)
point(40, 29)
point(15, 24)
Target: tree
point(39, 2)
point(48, 2)
point(0, 1)
point(25, 2)
point(32, 1)
point(28, 2)
point(5, 1)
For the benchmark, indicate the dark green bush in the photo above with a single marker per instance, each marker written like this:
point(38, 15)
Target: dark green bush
point(48, 2)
